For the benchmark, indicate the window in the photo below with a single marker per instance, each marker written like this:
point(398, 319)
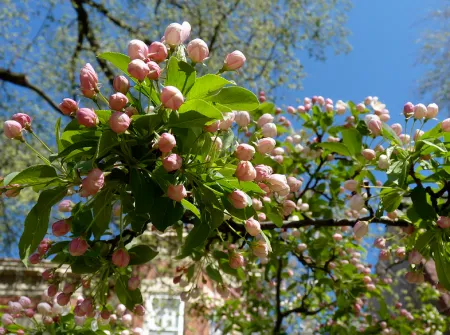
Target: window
point(165, 315)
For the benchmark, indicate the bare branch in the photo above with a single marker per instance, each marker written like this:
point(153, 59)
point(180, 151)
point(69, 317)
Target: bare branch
point(21, 79)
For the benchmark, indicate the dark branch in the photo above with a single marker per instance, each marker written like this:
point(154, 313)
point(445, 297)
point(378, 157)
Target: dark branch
point(279, 321)
point(102, 9)
point(21, 79)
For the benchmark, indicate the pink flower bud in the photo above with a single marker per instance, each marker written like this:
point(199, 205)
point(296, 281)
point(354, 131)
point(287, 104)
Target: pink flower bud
point(253, 227)
point(400, 252)
point(278, 183)
point(34, 258)
point(61, 227)
point(166, 142)
point(337, 237)
point(121, 85)
point(261, 217)
point(65, 206)
point(242, 119)
point(44, 308)
point(266, 145)
point(265, 118)
point(105, 314)
point(238, 199)
point(119, 122)
point(92, 183)
point(23, 119)
point(262, 172)
point(78, 246)
point(63, 299)
point(47, 320)
point(288, 207)
point(176, 192)
point(369, 154)
point(133, 283)
point(52, 290)
point(418, 134)
point(25, 302)
point(155, 70)
point(14, 307)
point(137, 50)
point(443, 222)
point(420, 111)
point(257, 204)
point(7, 319)
point(48, 274)
point(269, 130)
point(302, 247)
point(415, 257)
point(360, 229)
point(138, 310)
point(351, 185)
point(245, 171)
point(244, 152)
point(173, 34)
point(375, 126)
point(227, 122)
point(171, 97)
point(69, 288)
point(213, 127)
point(186, 31)
point(87, 306)
point(236, 260)
point(118, 101)
point(121, 258)
point(138, 69)
point(384, 255)
point(197, 50)
point(157, 52)
point(78, 311)
point(120, 309)
point(383, 162)
point(12, 129)
point(260, 249)
point(87, 117)
point(379, 243)
point(234, 61)
point(172, 162)
point(397, 128)
point(445, 125)
point(43, 246)
point(88, 81)
point(432, 111)
point(29, 313)
point(68, 106)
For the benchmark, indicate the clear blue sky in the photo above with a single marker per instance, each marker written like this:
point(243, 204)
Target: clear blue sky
point(382, 62)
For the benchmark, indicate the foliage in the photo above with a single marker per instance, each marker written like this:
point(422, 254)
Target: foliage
point(262, 211)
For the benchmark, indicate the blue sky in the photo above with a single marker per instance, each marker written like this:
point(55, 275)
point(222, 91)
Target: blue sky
point(382, 62)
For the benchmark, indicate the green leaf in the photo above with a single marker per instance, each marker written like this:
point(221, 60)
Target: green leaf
point(143, 189)
point(425, 241)
point(431, 144)
point(36, 222)
point(235, 98)
point(10, 177)
point(58, 135)
point(433, 133)
point(339, 148)
point(188, 120)
point(165, 212)
point(108, 140)
point(390, 134)
point(206, 86)
point(69, 151)
point(102, 211)
point(127, 297)
point(214, 274)
point(201, 107)
point(243, 214)
point(81, 218)
point(352, 140)
point(421, 204)
point(83, 265)
point(103, 115)
point(273, 214)
point(34, 175)
point(141, 254)
point(442, 264)
point(189, 206)
point(197, 236)
point(180, 74)
point(117, 59)
point(391, 199)
point(147, 122)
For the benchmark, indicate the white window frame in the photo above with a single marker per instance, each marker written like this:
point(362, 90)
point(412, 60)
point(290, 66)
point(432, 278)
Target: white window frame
point(148, 304)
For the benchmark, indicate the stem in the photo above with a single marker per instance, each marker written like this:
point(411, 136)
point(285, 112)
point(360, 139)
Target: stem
point(42, 142)
point(121, 221)
point(45, 160)
point(103, 98)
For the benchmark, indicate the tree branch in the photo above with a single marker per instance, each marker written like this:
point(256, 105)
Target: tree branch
point(279, 320)
point(21, 79)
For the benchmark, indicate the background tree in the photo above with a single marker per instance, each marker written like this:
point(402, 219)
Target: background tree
point(435, 53)
point(45, 43)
